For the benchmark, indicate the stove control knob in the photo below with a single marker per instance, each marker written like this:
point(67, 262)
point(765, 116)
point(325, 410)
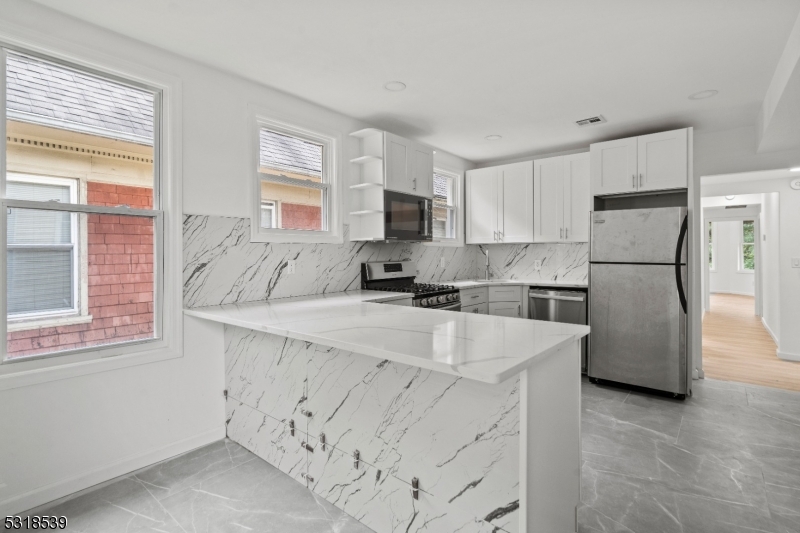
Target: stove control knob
point(442, 299)
point(449, 297)
point(424, 302)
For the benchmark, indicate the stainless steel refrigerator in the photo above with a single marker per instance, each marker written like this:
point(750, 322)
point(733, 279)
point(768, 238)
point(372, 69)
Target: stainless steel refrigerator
point(638, 298)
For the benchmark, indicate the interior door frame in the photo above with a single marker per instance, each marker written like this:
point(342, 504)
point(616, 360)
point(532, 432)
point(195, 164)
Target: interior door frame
point(720, 214)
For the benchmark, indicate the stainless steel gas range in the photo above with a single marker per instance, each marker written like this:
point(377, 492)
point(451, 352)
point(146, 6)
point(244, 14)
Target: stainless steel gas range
point(398, 276)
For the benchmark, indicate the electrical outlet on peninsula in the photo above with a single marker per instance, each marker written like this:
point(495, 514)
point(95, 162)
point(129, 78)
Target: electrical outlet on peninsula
point(537, 265)
point(290, 266)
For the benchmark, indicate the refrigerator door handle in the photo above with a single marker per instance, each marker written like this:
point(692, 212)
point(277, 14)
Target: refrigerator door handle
point(678, 254)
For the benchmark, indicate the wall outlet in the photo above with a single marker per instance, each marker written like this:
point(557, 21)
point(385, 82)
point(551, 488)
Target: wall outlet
point(290, 266)
point(442, 262)
point(795, 262)
point(537, 265)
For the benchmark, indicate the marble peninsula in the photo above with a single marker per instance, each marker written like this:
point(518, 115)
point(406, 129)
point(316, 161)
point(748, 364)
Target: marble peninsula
point(409, 419)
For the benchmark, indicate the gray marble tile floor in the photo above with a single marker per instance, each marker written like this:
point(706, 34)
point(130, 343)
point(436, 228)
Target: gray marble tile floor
point(725, 461)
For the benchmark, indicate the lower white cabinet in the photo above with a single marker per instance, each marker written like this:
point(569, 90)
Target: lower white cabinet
point(481, 309)
point(512, 309)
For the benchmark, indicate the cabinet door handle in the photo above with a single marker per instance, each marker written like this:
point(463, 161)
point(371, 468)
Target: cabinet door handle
point(476, 296)
point(519, 310)
point(634, 180)
point(500, 236)
point(640, 180)
point(560, 233)
point(495, 235)
point(415, 184)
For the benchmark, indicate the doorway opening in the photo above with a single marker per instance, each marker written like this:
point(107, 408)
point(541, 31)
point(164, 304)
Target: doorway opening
point(741, 286)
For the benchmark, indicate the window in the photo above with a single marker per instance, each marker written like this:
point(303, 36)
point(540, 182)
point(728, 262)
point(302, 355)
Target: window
point(42, 249)
point(446, 204)
point(297, 200)
point(711, 265)
point(83, 225)
point(747, 246)
point(268, 212)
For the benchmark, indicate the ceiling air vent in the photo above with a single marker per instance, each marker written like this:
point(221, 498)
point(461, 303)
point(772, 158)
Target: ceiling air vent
point(599, 119)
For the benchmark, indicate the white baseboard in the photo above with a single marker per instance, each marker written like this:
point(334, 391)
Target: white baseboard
point(786, 356)
point(59, 489)
point(769, 330)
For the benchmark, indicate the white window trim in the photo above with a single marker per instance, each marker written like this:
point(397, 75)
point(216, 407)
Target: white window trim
point(711, 246)
point(458, 205)
point(273, 207)
point(740, 259)
point(21, 321)
point(168, 151)
point(331, 142)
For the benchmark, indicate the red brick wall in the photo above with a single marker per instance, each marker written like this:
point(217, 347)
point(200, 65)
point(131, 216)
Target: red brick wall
point(297, 216)
point(120, 259)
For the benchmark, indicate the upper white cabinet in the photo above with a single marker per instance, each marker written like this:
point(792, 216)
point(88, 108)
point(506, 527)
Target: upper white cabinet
point(663, 160)
point(647, 163)
point(500, 204)
point(561, 199)
point(409, 166)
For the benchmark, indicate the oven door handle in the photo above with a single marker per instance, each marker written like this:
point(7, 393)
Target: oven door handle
point(455, 306)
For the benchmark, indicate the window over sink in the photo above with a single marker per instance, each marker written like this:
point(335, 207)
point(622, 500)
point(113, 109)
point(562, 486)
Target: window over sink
point(447, 208)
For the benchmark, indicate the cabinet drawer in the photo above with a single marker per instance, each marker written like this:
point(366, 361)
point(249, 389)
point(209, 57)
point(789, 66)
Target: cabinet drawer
point(505, 294)
point(512, 309)
point(474, 296)
point(481, 309)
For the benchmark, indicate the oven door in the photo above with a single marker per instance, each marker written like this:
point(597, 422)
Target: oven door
point(407, 217)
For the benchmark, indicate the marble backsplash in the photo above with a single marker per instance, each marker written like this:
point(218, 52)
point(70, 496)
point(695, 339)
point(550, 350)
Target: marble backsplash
point(562, 262)
point(221, 265)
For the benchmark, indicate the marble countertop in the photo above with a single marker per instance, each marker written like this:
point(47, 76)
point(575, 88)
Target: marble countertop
point(473, 283)
point(485, 348)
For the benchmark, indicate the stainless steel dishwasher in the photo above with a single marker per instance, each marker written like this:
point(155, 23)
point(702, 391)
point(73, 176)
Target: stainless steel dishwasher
point(558, 305)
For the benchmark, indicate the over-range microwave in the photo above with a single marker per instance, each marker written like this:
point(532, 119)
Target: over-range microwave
point(407, 217)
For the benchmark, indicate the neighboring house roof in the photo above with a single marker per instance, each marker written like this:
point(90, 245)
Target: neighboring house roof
point(290, 153)
point(440, 186)
point(44, 93)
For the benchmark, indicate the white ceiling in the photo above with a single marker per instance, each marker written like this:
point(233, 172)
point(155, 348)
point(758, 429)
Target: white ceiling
point(525, 70)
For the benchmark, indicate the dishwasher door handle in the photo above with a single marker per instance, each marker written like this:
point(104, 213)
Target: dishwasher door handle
point(566, 298)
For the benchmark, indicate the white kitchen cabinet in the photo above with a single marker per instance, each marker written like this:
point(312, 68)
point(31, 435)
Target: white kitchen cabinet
point(500, 204)
point(479, 295)
point(409, 166)
point(505, 293)
point(653, 162)
point(481, 309)
point(663, 161)
point(561, 199)
point(613, 166)
point(516, 210)
point(512, 309)
point(577, 198)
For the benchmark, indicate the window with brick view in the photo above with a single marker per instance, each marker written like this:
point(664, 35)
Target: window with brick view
point(86, 277)
point(293, 186)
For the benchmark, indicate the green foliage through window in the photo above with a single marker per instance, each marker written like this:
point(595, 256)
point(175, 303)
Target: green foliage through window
point(748, 245)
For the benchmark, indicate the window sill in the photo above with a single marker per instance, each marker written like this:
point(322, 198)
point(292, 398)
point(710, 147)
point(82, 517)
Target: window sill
point(51, 322)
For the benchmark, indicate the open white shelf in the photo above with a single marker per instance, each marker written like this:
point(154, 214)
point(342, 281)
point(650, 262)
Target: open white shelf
point(359, 186)
point(364, 159)
point(365, 212)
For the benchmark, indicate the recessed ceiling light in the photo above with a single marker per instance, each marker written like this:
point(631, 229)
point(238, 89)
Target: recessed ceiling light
point(493, 137)
point(731, 197)
point(702, 95)
point(395, 86)
point(794, 169)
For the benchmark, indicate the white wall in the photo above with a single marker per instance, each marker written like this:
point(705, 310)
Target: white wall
point(726, 278)
point(72, 433)
point(770, 255)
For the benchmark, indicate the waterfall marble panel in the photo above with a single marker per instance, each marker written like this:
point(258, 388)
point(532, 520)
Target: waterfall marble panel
point(458, 436)
point(267, 372)
point(268, 438)
point(562, 262)
point(381, 501)
point(222, 266)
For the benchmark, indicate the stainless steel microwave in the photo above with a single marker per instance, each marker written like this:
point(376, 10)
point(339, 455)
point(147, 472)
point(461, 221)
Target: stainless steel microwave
point(407, 217)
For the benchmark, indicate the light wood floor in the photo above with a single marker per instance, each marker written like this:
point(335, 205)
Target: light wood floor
point(736, 347)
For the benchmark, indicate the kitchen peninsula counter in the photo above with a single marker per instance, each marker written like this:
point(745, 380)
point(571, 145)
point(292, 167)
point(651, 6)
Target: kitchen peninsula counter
point(361, 402)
